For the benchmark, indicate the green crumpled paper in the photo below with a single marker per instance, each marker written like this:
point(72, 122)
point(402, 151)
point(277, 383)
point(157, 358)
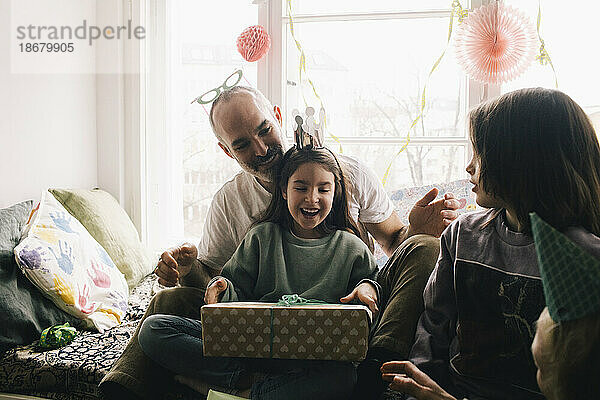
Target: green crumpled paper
point(57, 336)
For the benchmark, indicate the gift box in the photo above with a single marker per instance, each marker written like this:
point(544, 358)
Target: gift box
point(267, 330)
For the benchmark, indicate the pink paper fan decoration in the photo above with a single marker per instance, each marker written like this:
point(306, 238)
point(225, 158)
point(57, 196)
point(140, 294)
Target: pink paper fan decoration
point(495, 43)
point(253, 43)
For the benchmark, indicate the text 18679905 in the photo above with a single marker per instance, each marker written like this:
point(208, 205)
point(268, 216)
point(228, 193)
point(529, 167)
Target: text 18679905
point(46, 47)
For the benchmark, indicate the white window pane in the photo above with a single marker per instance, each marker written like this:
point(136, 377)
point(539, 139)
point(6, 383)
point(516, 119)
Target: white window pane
point(570, 35)
point(203, 52)
point(415, 166)
point(370, 76)
point(311, 7)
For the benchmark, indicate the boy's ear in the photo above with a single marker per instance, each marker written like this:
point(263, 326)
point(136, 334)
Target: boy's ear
point(277, 112)
point(283, 193)
point(226, 150)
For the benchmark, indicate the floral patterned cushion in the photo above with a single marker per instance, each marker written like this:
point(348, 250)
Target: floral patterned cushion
point(60, 257)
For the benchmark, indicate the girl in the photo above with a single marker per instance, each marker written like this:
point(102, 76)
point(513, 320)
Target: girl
point(308, 244)
point(534, 150)
point(566, 347)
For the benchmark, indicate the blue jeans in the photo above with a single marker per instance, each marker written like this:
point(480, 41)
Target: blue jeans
point(176, 344)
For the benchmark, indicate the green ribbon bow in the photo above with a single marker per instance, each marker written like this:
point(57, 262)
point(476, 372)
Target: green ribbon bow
point(289, 300)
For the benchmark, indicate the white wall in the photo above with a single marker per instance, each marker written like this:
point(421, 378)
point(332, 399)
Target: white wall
point(47, 127)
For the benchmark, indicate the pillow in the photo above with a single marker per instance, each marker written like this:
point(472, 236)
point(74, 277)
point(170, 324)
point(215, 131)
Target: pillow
point(405, 199)
point(12, 221)
point(69, 267)
point(108, 223)
point(25, 311)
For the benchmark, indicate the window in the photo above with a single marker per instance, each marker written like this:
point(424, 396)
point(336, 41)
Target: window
point(186, 167)
point(576, 63)
point(369, 62)
point(205, 42)
point(370, 76)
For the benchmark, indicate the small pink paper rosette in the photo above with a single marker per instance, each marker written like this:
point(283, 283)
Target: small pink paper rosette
point(495, 43)
point(253, 43)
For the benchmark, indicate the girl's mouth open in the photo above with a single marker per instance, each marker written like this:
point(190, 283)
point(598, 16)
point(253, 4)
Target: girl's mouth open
point(309, 212)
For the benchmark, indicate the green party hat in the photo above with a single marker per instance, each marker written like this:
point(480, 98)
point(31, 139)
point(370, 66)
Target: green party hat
point(570, 275)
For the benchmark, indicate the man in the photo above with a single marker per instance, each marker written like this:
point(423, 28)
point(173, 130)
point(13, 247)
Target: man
point(249, 131)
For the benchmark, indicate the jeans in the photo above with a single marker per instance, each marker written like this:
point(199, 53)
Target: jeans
point(175, 343)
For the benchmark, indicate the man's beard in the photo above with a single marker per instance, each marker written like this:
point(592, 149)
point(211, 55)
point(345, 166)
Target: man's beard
point(254, 167)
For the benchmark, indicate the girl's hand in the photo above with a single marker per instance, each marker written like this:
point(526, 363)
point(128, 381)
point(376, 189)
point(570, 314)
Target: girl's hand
point(366, 294)
point(214, 291)
point(405, 377)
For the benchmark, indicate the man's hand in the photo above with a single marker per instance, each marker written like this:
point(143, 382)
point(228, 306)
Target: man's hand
point(176, 263)
point(213, 292)
point(366, 294)
point(432, 217)
point(405, 377)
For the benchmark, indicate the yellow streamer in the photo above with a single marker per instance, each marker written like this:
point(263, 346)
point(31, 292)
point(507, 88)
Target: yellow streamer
point(302, 68)
point(461, 13)
point(544, 57)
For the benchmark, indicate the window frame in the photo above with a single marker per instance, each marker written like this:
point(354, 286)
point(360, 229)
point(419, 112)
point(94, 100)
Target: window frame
point(145, 108)
point(121, 114)
point(271, 16)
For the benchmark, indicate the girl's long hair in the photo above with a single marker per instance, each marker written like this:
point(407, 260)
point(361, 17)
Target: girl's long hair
point(339, 217)
point(538, 152)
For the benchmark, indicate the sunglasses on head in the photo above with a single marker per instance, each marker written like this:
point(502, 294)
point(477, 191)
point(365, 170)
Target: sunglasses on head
point(211, 95)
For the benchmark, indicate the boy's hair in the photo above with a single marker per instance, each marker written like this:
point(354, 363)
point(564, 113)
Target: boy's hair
point(538, 152)
point(339, 217)
point(572, 351)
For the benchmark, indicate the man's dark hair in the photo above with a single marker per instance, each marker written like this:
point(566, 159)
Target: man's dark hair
point(538, 152)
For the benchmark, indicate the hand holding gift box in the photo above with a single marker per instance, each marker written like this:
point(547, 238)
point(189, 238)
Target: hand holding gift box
point(215, 291)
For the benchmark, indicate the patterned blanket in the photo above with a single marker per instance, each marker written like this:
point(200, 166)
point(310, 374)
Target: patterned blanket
point(73, 371)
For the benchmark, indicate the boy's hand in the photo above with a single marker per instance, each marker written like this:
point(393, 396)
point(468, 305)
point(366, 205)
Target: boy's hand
point(366, 294)
point(214, 291)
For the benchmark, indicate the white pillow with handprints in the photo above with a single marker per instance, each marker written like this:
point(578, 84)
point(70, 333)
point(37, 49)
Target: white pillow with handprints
point(68, 266)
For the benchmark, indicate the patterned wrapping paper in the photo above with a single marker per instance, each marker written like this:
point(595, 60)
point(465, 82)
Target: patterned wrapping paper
point(265, 330)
